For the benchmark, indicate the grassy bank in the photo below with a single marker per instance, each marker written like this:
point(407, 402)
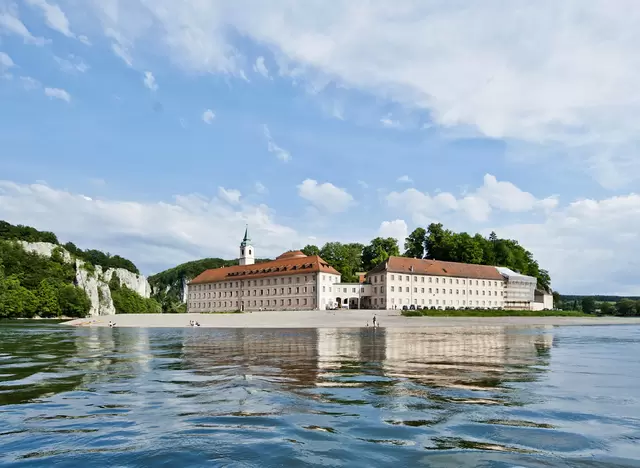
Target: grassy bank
point(493, 313)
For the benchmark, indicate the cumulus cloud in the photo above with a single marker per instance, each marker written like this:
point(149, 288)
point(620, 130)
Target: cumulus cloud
point(574, 90)
point(261, 68)
point(10, 23)
point(281, 153)
point(54, 16)
point(154, 235)
point(150, 81)
point(397, 229)
point(478, 205)
point(231, 196)
point(325, 197)
point(208, 116)
point(57, 93)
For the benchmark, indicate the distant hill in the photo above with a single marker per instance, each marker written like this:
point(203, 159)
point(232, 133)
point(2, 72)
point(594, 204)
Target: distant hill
point(167, 287)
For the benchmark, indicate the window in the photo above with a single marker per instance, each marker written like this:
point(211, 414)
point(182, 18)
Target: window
point(281, 302)
point(407, 278)
point(422, 279)
point(344, 290)
point(393, 300)
point(415, 290)
point(323, 289)
point(399, 277)
point(430, 301)
point(457, 281)
point(482, 282)
point(450, 291)
point(430, 291)
point(297, 301)
point(297, 279)
point(353, 290)
point(375, 289)
point(289, 280)
point(289, 290)
point(304, 289)
point(288, 301)
point(392, 288)
point(437, 280)
point(422, 290)
point(437, 291)
point(297, 290)
point(393, 277)
point(430, 279)
point(305, 302)
point(457, 291)
point(406, 289)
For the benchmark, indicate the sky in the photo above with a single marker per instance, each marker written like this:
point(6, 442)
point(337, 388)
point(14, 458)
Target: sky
point(158, 129)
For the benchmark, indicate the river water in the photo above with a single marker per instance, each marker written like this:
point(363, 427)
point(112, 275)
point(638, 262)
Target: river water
point(484, 396)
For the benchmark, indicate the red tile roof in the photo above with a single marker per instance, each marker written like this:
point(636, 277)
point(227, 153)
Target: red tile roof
point(284, 265)
point(438, 268)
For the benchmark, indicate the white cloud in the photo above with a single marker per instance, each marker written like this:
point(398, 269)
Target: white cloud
point(30, 83)
point(150, 81)
point(260, 188)
point(586, 246)
point(575, 90)
point(10, 24)
point(5, 63)
point(84, 39)
point(231, 196)
point(477, 205)
point(363, 184)
point(404, 179)
point(54, 16)
point(208, 116)
point(389, 122)
point(397, 229)
point(72, 65)
point(281, 153)
point(153, 235)
point(123, 53)
point(261, 68)
point(57, 93)
point(325, 197)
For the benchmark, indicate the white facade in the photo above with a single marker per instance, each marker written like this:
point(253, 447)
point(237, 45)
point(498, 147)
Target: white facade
point(286, 292)
point(351, 295)
point(395, 290)
point(519, 289)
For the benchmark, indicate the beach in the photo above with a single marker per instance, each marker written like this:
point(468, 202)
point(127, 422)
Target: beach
point(334, 319)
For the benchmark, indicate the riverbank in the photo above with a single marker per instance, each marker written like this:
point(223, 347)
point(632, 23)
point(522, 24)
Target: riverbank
point(334, 319)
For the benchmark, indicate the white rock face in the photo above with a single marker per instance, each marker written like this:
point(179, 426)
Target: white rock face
point(96, 282)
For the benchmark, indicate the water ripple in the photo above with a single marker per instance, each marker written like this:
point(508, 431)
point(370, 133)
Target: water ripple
point(486, 397)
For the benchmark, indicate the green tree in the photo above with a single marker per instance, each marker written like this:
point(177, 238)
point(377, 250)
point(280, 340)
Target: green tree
point(48, 305)
point(346, 258)
point(606, 308)
point(378, 251)
point(414, 243)
point(73, 301)
point(588, 305)
point(466, 249)
point(440, 243)
point(626, 308)
point(311, 250)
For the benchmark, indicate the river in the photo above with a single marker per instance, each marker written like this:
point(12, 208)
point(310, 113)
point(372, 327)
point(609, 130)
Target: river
point(457, 397)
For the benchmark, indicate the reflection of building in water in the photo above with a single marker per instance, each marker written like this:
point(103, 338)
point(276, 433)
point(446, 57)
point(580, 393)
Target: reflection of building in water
point(293, 351)
point(447, 356)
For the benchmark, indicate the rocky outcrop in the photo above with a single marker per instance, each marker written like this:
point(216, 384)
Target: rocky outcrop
point(93, 279)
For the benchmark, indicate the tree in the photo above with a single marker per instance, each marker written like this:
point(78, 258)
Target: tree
point(48, 305)
point(311, 250)
point(606, 308)
point(73, 301)
point(467, 249)
point(378, 251)
point(588, 305)
point(414, 243)
point(439, 243)
point(346, 258)
point(626, 308)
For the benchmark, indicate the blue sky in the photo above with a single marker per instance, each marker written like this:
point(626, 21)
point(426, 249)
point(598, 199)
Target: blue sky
point(157, 130)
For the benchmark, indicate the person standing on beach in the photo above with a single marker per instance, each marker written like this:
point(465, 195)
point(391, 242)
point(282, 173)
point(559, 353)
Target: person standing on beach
point(374, 320)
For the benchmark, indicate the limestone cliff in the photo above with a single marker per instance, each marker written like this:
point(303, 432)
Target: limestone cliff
point(93, 279)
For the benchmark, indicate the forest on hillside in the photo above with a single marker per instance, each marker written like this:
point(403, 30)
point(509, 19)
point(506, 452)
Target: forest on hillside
point(94, 257)
point(35, 285)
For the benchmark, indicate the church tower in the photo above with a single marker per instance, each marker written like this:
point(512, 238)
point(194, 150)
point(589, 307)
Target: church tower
point(246, 250)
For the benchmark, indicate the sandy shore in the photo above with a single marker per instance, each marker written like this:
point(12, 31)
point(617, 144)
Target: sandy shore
point(334, 319)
